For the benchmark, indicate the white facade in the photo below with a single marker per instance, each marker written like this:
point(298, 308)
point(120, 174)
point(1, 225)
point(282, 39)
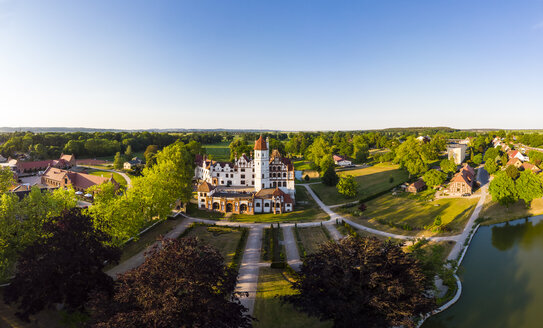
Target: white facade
point(262, 168)
point(259, 172)
point(457, 152)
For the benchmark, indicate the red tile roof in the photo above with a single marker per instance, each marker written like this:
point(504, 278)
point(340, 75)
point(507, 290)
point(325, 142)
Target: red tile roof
point(261, 144)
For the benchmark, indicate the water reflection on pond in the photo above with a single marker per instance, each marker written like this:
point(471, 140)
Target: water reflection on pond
point(502, 279)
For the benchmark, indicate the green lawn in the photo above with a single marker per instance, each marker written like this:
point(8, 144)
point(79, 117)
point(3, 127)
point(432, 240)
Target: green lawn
point(268, 308)
point(312, 238)
point(414, 212)
point(306, 209)
point(219, 151)
point(371, 180)
point(493, 212)
point(225, 239)
point(135, 246)
point(119, 178)
point(302, 165)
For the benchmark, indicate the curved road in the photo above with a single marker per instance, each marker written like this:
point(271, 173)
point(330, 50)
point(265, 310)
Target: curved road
point(250, 264)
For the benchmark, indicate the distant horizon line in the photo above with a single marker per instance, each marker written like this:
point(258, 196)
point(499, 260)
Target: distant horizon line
point(8, 129)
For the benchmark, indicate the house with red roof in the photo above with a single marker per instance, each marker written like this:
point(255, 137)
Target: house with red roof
point(463, 181)
point(342, 161)
point(57, 178)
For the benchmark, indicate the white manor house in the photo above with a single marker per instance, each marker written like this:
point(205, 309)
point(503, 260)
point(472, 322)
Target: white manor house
point(262, 184)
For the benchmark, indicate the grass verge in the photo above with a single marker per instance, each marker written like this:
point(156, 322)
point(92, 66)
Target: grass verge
point(269, 310)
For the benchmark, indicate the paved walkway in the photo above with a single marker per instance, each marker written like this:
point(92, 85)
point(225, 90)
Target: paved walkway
point(249, 269)
point(334, 233)
point(482, 176)
point(291, 248)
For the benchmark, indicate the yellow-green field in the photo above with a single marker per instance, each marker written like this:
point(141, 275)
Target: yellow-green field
point(371, 180)
point(268, 308)
point(414, 212)
point(218, 151)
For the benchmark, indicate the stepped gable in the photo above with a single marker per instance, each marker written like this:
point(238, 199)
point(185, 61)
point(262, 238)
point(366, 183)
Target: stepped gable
point(205, 187)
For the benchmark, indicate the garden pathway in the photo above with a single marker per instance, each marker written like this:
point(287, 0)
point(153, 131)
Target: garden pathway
point(291, 248)
point(249, 269)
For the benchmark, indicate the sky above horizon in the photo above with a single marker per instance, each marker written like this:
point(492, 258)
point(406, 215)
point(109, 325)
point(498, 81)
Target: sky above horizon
point(286, 65)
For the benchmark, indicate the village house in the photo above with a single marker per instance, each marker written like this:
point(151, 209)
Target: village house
point(515, 162)
point(517, 154)
point(462, 182)
point(259, 185)
point(57, 178)
point(530, 167)
point(133, 163)
point(342, 161)
point(416, 186)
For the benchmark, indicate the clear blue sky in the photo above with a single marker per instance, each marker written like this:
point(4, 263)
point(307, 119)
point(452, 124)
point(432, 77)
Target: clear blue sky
point(292, 65)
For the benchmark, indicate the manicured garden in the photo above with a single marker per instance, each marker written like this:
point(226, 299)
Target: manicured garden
point(306, 209)
point(371, 180)
point(225, 239)
point(268, 308)
point(311, 238)
point(413, 214)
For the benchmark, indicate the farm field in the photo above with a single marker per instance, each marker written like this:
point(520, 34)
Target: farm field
point(268, 308)
point(371, 180)
point(218, 151)
point(306, 209)
point(225, 239)
point(408, 214)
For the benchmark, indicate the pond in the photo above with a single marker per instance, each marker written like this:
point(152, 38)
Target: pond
point(502, 279)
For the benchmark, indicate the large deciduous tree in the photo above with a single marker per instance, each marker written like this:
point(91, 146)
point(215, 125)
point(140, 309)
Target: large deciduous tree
point(6, 179)
point(411, 156)
point(362, 282)
point(503, 189)
point(491, 166)
point(347, 186)
point(183, 283)
point(434, 178)
point(529, 187)
point(62, 266)
point(448, 166)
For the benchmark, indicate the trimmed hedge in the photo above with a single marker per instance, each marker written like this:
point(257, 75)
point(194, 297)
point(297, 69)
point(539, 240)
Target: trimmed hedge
point(301, 248)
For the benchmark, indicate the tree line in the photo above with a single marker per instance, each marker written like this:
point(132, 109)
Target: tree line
point(97, 144)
